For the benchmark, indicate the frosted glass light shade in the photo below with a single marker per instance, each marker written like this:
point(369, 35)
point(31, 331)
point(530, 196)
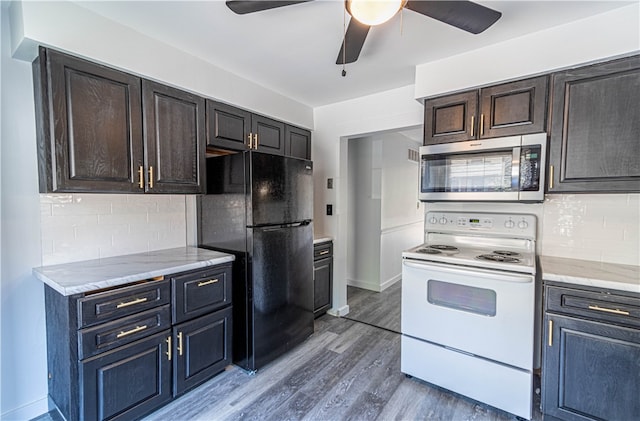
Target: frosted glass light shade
point(373, 12)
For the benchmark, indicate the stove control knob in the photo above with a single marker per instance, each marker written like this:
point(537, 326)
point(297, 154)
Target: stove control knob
point(523, 224)
point(443, 220)
point(509, 224)
point(433, 220)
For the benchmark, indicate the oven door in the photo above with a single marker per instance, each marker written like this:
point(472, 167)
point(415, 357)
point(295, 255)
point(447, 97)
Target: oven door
point(477, 311)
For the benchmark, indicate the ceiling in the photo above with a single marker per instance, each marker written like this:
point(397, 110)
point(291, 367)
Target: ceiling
point(292, 50)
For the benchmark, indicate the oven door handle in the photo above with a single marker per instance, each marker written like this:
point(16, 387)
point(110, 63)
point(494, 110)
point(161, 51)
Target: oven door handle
point(478, 272)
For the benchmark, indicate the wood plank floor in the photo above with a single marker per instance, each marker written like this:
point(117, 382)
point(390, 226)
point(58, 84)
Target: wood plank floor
point(380, 309)
point(345, 371)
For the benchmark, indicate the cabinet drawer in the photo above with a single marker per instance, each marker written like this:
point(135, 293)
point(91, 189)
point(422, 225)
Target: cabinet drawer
point(201, 292)
point(111, 305)
point(106, 336)
point(603, 306)
point(322, 250)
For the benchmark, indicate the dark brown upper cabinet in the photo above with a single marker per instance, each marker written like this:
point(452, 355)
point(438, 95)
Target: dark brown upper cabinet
point(595, 129)
point(228, 127)
point(268, 134)
point(297, 142)
point(101, 130)
point(235, 129)
point(174, 132)
point(89, 125)
point(508, 109)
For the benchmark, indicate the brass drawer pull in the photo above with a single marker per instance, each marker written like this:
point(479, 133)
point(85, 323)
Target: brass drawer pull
point(130, 303)
point(209, 282)
point(180, 343)
point(551, 177)
point(473, 121)
point(323, 252)
point(550, 332)
point(609, 310)
point(141, 177)
point(132, 331)
point(168, 353)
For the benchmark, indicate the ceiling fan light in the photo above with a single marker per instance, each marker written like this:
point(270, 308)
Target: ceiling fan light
point(373, 12)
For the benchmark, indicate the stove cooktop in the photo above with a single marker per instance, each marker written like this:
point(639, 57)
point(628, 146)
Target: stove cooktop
point(482, 257)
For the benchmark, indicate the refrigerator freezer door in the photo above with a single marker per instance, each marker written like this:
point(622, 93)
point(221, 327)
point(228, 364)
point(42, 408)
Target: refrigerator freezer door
point(282, 289)
point(279, 189)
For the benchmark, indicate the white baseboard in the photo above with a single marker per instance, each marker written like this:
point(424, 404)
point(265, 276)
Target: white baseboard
point(386, 284)
point(339, 312)
point(27, 412)
point(371, 286)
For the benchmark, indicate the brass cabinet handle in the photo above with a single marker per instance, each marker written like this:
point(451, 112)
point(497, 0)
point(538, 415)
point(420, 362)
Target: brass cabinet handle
point(609, 310)
point(481, 124)
point(209, 282)
point(473, 120)
point(168, 353)
point(130, 303)
point(180, 343)
point(141, 177)
point(151, 177)
point(323, 252)
point(249, 136)
point(550, 332)
point(550, 177)
point(255, 141)
point(130, 332)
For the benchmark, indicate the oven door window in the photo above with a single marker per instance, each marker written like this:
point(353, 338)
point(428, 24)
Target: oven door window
point(462, 297)
point(478, 172)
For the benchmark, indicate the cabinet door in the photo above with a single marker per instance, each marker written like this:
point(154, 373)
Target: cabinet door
point(595, 129)
point(514, 108)
point(89, 125)
point(451, 118)
point(590, 370)
point(202, 349)
point(322, 285)
point(174, 124)
point(227, 127)
point(127, 382)
point(297, 142)
point(268, 134)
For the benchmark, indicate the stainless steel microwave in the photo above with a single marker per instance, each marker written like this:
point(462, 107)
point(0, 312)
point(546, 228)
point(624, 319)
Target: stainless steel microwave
point(506, 169)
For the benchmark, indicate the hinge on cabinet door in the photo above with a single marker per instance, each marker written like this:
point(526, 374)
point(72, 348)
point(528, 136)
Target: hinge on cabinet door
point(550, 332)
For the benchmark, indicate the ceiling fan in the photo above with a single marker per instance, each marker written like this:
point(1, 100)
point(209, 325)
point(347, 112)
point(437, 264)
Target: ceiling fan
point(465, 15)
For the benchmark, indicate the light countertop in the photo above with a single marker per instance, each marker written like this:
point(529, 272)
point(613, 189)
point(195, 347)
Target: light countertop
point(321, 239)
point(91, 275)
point(590, 273)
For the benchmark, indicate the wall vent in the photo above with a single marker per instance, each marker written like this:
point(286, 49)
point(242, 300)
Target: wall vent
point(413, 155)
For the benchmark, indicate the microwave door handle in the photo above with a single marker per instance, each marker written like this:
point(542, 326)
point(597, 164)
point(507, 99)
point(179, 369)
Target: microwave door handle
point(515, 169)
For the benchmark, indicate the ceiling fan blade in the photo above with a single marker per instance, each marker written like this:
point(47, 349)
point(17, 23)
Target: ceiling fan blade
point(353, 41)
point(242, 7)
point(466, 15)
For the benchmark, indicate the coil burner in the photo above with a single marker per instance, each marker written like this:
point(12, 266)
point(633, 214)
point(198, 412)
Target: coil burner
point(498, 258)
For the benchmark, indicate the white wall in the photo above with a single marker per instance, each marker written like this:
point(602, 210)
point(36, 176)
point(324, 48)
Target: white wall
point(23, 341)
point(609, 34)
point(69, 27)
point(596, 38)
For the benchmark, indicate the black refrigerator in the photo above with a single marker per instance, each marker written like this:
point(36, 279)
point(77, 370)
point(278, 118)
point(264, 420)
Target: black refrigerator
point(259, 207)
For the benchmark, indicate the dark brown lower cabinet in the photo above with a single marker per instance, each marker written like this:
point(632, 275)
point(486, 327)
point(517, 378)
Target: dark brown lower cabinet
point(322, 277)
point(591, 368)
point(127, 382)
point(203, 349)
point(119, 354)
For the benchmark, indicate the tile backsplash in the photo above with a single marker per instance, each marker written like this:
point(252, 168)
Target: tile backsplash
point(598, 227)
point(90, 226)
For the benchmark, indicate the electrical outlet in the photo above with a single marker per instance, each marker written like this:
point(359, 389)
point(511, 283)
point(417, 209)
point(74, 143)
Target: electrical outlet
point(329, 183)
point(329, 209)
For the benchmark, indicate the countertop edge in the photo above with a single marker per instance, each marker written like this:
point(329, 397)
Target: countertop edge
point(591, 273)
point(129, 277)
